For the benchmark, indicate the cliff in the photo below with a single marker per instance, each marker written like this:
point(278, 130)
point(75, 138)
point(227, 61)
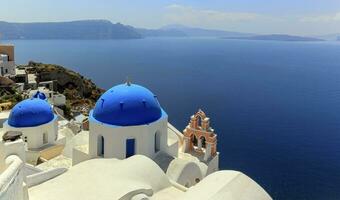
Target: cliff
point(81, 93)
point(8, 92)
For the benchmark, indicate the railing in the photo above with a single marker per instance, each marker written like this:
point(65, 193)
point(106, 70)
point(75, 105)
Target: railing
point(11, 180)
point(178, 134)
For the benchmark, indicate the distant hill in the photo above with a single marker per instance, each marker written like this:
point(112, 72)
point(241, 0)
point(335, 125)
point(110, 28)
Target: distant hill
point(330, 37)
point(184, 31)
point(277, 37)
point(160, 33)
point(200, 32)
point(104, 29)
point(86, 29)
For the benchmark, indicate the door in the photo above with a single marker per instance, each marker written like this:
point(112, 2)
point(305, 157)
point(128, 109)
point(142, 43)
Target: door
point(130, 147)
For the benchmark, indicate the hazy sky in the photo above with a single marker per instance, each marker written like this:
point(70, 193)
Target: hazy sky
point(303, 17)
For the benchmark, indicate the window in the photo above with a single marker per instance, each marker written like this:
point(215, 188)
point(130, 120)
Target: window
point(101, 146)
point(157, 142)
point(203, 142)
point(45, 138)
point(194, 140)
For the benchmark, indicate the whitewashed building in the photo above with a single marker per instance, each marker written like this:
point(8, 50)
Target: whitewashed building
point(128, 120)
point(35, 119)
point(52, 97)
point(7, 63)
point(132, 153)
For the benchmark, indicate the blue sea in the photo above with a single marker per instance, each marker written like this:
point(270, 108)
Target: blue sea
point(274, 105)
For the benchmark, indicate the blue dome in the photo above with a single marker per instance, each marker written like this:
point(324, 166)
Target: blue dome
point(127, 105)
point(39, 95)
point(30, 112)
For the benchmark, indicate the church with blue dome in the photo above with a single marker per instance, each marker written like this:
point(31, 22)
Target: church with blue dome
point(127, 120)
point(30, 113)
point(35, 119)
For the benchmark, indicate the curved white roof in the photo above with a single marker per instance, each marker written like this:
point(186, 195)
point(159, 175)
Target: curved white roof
point(226, 185)
point(138, 176)
point(104, 179)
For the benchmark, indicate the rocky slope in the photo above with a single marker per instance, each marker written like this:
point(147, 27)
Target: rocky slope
point(8, 92)
point(81, 93)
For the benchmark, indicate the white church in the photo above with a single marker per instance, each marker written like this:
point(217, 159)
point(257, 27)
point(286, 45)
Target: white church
point(130, 151)
point(128, 120)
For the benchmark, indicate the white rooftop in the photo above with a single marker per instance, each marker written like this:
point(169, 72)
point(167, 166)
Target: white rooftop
point(4, 114)
point(31, 78)
point(104, 179)
point(20, 71)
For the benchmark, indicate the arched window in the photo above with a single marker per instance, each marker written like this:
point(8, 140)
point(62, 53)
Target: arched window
point(199, 121)
point(194, 140)
point(101, 146)
point(203, 142)
point(157, 141)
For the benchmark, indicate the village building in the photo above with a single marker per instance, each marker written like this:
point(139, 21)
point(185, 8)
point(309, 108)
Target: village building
point(130, 151)
point(7, 62)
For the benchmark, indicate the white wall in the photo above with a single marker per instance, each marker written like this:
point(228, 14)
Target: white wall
point(2, 158)
point(213, 164)
point(58, 99)
point(9, 66)
point(115, 138)
point(16, 147)
point(35, 135)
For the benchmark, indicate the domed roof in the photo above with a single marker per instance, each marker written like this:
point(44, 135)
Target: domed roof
point(39, 95)
point(30, 112)
point(127, 105)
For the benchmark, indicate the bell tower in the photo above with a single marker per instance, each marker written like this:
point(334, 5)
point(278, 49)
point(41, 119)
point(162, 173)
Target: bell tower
point(200, 139)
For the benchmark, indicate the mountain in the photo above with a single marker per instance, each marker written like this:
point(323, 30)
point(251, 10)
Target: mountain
point(330, 37)
point(160, 33)
point(200, 32)
point(104, 29)
point(85, 29)
point(277, 37)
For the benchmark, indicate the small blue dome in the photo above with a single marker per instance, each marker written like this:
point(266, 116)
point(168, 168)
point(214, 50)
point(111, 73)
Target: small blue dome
point(30, 112)
point(127, 105)
point(39, 95)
